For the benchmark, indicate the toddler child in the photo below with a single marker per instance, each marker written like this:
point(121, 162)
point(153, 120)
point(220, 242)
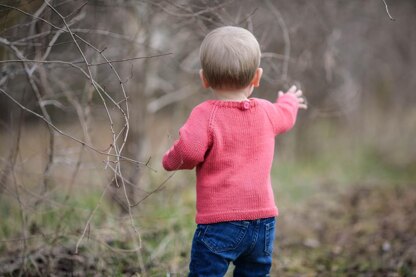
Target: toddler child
point(230, 140)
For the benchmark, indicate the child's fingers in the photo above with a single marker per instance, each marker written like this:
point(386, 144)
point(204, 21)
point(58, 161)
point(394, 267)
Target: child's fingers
point(298, 93)
point(280, 93)
point(292, 89)
point(303, 106)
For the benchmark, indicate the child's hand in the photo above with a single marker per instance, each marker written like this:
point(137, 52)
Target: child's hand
point(298, 94)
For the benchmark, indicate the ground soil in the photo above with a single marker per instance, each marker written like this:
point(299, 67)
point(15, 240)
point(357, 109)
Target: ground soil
point(362, 231)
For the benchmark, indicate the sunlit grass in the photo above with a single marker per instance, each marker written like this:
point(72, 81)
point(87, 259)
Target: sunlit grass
point(165, 220)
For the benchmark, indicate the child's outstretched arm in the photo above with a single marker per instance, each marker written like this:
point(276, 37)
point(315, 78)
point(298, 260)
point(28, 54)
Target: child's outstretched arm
point(194, 139)
point(286, 108)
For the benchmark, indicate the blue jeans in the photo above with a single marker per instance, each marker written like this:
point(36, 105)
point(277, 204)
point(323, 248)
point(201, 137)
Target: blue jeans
point(248, 244)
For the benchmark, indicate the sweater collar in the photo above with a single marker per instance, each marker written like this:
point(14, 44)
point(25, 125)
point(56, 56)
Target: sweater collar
point(243, 105)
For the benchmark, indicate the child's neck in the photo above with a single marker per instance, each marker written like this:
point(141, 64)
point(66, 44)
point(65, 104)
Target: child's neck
point(233, 95)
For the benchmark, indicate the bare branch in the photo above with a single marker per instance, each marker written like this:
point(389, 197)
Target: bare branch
point(71, 137)
point(87, 224)
point(286, 38)
point(169, 98)
point(387, 10)
point(129, 59)
point(159, 188)
point(31, 15)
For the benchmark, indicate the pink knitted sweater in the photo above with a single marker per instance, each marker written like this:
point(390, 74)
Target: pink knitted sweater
point(231, 144)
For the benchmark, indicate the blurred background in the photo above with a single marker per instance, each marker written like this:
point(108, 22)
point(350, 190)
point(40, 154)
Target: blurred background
point(92, 93)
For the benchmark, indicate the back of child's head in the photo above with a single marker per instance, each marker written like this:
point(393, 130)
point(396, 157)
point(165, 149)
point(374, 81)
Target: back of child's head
point(229, 57)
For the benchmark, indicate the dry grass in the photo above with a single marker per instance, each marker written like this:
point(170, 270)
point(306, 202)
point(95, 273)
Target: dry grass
point(328, 225)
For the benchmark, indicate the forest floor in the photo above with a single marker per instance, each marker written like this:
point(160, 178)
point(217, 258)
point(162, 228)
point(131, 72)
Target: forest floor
point(361, 231)
point(364, 231)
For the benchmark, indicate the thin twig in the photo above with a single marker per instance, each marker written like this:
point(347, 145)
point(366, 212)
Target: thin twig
point(71, 137)
point(45, 62)
point(77, 9)
point(90, 218)
point(117, 150)
point(130, 59)
point(77, 30)
point(158, 188)
point(387, 10)
point(22, 212)
point(286, 37)
point(29, 72)
point(73, 63)
point(31, 15)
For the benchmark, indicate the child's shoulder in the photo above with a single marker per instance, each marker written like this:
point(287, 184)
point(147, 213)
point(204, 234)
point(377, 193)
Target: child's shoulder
point(263, 102)
point(202, 110)
point(205, 106)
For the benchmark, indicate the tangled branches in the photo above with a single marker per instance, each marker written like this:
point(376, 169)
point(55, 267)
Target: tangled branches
point(32, 37)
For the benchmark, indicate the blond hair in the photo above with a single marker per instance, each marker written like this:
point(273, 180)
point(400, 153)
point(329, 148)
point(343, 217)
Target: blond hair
point(229, 57)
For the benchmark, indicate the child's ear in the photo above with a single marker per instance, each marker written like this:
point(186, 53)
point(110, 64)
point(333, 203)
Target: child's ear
point(257, 77)
point(204, 81)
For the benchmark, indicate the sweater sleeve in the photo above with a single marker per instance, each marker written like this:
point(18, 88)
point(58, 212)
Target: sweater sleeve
point(283, 113)
point(193, 142)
